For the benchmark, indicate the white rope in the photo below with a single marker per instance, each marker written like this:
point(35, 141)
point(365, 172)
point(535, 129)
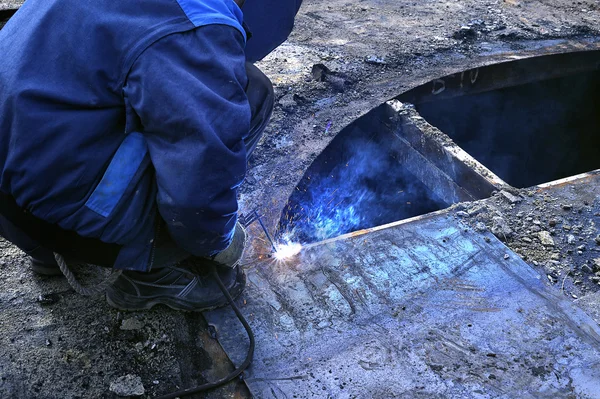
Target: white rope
point(94, 290)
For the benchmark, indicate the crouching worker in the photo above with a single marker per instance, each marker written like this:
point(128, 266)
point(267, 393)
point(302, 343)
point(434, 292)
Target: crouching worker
point(125, 129)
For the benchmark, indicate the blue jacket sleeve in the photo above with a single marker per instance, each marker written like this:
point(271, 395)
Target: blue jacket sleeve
point(270, 22)
point(188, 92)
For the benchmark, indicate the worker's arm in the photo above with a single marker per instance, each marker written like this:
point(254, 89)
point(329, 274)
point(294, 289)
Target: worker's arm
point(271, 22)
point(188, 91)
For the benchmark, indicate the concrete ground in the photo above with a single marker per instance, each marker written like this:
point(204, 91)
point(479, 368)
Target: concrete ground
point(54, 343)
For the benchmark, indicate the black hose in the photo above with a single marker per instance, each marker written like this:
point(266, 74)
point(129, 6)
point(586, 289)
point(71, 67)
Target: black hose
point(234, 374)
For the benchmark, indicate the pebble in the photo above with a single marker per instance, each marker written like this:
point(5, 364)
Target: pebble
point(129, 385)
point(373, 59)
point(567, 207)
point(131, 324)
point(48, 299)
point(570, 239)
point(546, 238)
point(581, 248)
point(597, 239)
point(462, 214)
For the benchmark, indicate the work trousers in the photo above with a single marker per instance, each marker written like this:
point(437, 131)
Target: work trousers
point(33, 236)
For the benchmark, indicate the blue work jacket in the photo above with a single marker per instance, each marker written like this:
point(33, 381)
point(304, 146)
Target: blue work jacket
point(114, 113)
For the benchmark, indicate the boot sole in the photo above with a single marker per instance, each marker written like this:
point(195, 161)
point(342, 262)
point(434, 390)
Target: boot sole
point(126, 302)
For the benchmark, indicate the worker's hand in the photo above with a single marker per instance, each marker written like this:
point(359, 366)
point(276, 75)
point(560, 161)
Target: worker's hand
point(232, 256)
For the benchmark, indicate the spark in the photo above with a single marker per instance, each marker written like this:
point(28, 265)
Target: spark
point(287, 250)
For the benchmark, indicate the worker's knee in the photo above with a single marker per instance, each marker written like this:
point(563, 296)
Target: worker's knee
point(261, 98)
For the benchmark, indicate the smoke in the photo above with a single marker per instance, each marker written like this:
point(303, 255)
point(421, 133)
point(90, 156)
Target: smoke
point(355, 184)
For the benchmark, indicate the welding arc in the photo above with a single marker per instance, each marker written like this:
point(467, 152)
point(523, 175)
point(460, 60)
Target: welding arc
point(234, 374)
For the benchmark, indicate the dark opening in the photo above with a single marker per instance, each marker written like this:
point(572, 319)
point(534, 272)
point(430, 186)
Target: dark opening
point(530, 133)
point(356, 182)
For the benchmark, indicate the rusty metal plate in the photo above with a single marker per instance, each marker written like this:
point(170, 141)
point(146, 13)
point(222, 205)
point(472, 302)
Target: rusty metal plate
point(425, 309)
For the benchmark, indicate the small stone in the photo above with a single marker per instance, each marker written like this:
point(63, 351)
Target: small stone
point(537, 222)
point(48, 299)
point(462, 214)
point(581, 248)
point(129, 385)
point(156, 382)
point(546, 238)
point(570, 239)
point(501, 229)
point(464, 33)
point(373, 59)
point(477, 209)
point(567, 207)
point(555, 256)
point(552, 223)
point(48, 342)
point(131, 324)
point(319, 72)
point(526, 239)
point(506, 256)
point(597, 239)
point(480, 227)
point(288, 103)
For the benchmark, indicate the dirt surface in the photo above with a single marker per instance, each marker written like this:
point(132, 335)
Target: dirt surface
point(54, 343)
point(553, 229)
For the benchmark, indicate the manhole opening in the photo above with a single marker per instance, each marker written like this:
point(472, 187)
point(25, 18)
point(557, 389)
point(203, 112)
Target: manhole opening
point(528, 133)
point(357, 182)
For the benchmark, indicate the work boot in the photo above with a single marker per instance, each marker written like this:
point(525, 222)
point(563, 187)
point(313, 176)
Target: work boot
point(42, 262)
point(178, 288)
point(44, 268)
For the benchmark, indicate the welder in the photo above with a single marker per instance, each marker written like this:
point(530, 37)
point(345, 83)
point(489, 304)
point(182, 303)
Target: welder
point(125, 129)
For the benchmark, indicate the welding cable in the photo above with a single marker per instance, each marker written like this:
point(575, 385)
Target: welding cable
point(238, 371)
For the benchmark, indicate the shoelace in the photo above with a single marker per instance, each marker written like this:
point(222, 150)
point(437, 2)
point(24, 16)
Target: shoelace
point(100, 288)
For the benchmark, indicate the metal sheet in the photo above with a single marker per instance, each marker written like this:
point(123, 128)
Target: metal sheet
point(426, 309)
